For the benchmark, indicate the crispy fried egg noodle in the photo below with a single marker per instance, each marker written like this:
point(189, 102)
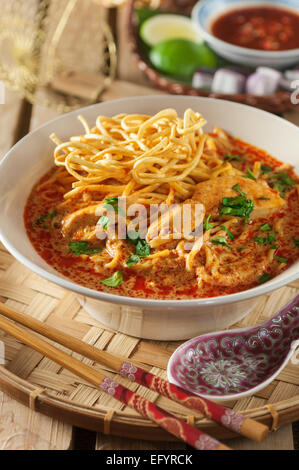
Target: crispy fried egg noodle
point(142, 153)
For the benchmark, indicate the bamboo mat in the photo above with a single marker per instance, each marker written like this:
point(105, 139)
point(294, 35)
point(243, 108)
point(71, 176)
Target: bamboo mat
point(89, 407)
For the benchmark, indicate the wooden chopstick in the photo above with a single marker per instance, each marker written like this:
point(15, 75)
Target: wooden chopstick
point(176, 426)
point(218, 413)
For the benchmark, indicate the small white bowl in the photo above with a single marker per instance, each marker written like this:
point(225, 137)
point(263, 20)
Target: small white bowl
point(206, 12)
point(32, 156)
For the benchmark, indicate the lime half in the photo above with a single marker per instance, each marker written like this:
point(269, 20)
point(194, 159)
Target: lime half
point(181, 58)
point(160, 28)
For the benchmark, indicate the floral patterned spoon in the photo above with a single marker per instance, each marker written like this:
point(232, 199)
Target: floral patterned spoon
point(236, 363)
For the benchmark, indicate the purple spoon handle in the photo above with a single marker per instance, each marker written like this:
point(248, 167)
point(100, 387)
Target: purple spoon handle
point(287, 319)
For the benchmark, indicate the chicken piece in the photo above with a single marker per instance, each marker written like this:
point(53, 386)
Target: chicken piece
point(81, 224)
point(210, 193)
point(243, 270)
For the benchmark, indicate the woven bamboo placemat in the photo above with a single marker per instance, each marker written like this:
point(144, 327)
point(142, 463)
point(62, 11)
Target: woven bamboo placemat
point(43, 385)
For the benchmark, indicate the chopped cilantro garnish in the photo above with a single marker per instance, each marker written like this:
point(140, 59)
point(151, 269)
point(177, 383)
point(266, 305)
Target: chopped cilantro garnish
point(264, 198)
point(113, 202)
point(281, 260)
point(241, 249)
point(266, 228)
point(82, 248)
point(115, 280)
point(220, 241)
point(133, 236)
point(266, 169)
point(265, 241)
point(273, 247)
point(237, 206)
point(229, 233)
point(281, 182)
point(285, 179)
point(229, 158)
point(42, 218)
point(134, 259)
point(250, 175)
point(142, 247)
point(103, 221)
point(296, 241)
point(238, 189)
point(264, 278)
point(206, 224)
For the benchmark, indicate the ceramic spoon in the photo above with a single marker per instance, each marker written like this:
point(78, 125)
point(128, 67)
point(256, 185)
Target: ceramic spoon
point(236, 363)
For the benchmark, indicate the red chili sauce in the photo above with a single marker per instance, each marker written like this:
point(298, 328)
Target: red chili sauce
point(262, 28)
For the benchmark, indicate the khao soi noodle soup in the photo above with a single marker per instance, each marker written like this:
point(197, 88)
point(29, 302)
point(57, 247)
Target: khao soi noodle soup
point(242, 208)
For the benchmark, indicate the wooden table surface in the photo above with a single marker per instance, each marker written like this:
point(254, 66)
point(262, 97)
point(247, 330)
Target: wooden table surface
point(17, 117)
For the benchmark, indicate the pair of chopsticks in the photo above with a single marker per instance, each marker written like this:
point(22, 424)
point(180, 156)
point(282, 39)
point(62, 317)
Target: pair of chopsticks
point(179, 428)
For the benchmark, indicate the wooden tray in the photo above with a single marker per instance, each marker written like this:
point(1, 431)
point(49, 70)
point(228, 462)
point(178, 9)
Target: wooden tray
point(41, 384)
point(276, 103)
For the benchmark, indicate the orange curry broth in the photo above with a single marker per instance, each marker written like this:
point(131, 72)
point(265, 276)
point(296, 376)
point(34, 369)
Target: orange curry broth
point(50, 244)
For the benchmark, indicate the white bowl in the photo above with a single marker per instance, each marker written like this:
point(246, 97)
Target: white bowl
point(156, 319)
point(206, 11)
